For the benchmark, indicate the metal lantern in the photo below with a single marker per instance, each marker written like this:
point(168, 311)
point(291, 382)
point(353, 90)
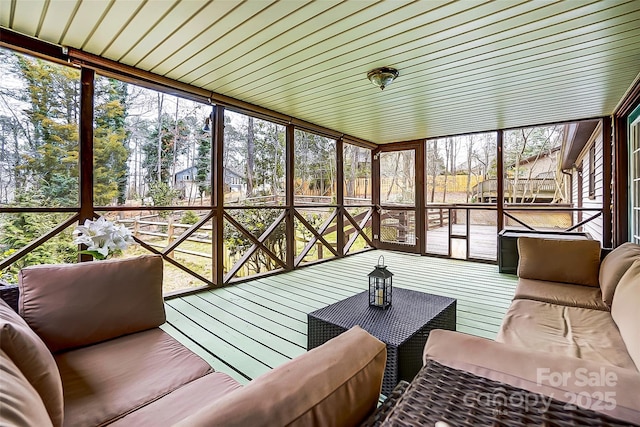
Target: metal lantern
point(380, 287)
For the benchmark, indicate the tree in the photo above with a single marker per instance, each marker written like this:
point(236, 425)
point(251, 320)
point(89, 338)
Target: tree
point(529, 144)
point(162, 195)
point(161, 143)
point(315, 166)
point(469, 163)
point(110, 138)
point(203, 165)
point(255, 149)
point(256, 222)
point(250, 156)
point(40, 143)
point(269, 155)
point(51, 155)
point(357, 166)
point(10, 158)
point(20, 229)
point(435, 166)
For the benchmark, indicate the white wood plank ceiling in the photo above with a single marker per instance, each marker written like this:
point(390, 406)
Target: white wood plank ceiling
point(464, 66)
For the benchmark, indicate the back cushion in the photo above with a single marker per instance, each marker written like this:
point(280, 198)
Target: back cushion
point(33, 359)
point(625, 310)
point(567, 261)
point(73, 305)
point(613, 267)
point(20, 403)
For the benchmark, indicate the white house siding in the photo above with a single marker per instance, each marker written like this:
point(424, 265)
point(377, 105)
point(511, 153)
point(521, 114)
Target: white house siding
point(595, 226)
point(542, 165)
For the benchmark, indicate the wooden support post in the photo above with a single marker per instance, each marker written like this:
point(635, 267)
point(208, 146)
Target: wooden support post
point(289, 196)
point(340, 197)
point(375, 196)
point(170, 231)
point(217, 196)
point(136, 226)
point(86, 149)
point(500, 180)
point(607, 214)
point(420, 225)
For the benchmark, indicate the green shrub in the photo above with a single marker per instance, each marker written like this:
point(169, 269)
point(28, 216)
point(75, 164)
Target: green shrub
point(189, 217)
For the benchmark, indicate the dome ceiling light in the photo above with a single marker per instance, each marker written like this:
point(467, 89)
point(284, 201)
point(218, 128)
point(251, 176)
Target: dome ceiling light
point(383, 76)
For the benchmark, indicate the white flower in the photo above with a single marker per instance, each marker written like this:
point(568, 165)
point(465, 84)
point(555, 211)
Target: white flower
point(102, 237)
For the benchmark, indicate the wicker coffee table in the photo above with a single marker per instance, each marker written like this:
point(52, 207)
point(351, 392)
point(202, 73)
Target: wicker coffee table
point(459, 398)
point(404, 327)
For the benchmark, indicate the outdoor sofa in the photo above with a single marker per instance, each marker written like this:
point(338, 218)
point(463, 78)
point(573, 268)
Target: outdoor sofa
point(572, 331)
point(87, 350)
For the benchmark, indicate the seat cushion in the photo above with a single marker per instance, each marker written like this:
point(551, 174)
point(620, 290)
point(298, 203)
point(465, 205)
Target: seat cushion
point(73, 305)
point(20, 403)
point(557, 376)
point(567, 261)
point(105, 381)
point(34, 360)
point(181, 403)
point(571, 331)
point(626, 310)
point(335, 384)
point(560, 293)
point(613, 267)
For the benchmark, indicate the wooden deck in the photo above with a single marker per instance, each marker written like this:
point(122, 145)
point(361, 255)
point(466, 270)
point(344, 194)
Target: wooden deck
point(483, 240)
point(249, 328)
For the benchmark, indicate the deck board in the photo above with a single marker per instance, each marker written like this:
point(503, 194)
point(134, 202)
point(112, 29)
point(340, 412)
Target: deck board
point(249, 328)
point(483, 240)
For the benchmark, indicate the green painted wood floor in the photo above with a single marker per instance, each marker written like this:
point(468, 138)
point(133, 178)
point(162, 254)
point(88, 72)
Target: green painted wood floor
point(249, 328)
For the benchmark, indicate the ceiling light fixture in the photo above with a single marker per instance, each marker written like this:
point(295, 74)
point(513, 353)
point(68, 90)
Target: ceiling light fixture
point(383, 76)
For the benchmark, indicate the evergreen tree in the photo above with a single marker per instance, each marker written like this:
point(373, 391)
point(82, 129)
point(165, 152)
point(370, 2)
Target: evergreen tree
point(44, 137)
point(203, 165)
point(269, 158)
point(51, 155)
point(110, 138)
point(41, 141)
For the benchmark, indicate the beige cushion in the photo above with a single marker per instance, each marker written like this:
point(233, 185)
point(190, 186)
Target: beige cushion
point(568, 261)
point(105, 381)
point(626, 310)
point(531, 370)
point(181, 403)
point(34, 360)
point(570, 331)
point(613, 267)
point(20, 403)
point(336, 384)
point(71, 305)
point(560, 293)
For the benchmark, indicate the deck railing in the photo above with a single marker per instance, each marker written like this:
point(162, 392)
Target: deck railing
point(515, 189)
point(469, 231)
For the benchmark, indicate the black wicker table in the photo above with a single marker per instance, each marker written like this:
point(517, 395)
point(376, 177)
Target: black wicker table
point(459, 398)
point(404, 327)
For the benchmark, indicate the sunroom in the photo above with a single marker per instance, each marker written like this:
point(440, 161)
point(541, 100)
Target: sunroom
point(244, 143)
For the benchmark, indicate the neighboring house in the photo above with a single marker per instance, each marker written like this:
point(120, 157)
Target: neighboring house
point(582, 156)
point(538, 166)
point(185, 182)
point(535, 181)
